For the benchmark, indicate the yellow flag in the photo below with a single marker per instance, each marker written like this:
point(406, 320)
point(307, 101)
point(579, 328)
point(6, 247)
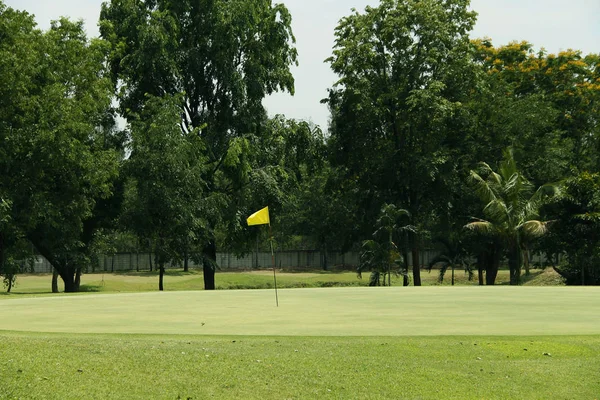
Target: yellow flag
point(260, 217)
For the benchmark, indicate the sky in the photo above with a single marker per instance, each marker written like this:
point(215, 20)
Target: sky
point(553, 24)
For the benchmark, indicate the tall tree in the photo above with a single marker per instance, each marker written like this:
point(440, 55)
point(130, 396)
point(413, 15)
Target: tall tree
point(165, 192)
point(19, 47)
point(511, 211)
point(404, 69)
point(576, 228)
point(58, 166)
point(547, 105)
point(224, 57)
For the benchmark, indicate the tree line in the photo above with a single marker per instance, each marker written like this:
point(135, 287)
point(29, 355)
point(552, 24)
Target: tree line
point(492, 152)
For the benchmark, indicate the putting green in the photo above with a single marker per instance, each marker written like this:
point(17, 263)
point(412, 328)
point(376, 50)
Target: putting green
point(397, 311)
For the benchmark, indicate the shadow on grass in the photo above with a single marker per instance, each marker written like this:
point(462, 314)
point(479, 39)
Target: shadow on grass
point(168, 272)
point(26, 294)
point(91, 288)
point(533, 274)
point(198, 271)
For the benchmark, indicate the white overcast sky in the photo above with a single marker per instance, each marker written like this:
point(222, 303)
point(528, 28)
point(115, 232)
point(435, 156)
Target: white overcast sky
point(553, 24)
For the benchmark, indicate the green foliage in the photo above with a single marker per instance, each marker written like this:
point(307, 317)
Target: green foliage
point(404, 74)
point(548, 101)
point(511, 209)
point(417, 104)
point(222, 58)
point(380, 253)
point(57, 164)
point(577, 228)
point(166, 201)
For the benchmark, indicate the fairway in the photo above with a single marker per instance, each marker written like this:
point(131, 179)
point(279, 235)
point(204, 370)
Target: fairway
point(396, 311)
point(352, 342)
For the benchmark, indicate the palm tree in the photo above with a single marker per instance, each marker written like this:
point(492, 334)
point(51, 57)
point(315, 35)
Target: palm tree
point(455, 256)
point(511, 209)
point(379, 253)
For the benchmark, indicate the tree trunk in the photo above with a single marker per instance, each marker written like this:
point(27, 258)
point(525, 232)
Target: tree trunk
point(68, 275)
point(416, 262)
point(161, 274)
point(9, 277)
point(71, 286)
point(185, 260)
point(480, 267)
point(452, 274)
point(492, 267)
point(78, 278)
point(150, 259)
point(526, 261)
point(416, 265)
point(61, 265)
point(54, 280)
point(514, 264)
point(209, 264)
point(1, 252)
point(405, 280)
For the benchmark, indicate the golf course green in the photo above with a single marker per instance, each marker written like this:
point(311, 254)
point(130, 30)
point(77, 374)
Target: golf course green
point(462, 342)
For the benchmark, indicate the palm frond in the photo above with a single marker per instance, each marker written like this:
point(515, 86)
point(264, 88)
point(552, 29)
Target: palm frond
point(589, 217)
point(408, 228)
point(548, 190)
point(533, 228)
point(484, 190)
point(495, 179)
point(481, 226)
point(497, 211)
point(439, 259)
point(508, 166)
point(529, 210)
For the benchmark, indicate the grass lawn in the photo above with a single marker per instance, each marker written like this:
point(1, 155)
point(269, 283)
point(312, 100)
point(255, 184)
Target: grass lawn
point(176, 280)
point(38, 366)
point(436, 342)
point(360, 311)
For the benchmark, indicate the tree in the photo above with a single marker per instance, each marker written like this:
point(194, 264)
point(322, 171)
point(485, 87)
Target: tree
point(511, 208)
point(577, 228)
point(378, 254)
point(18, 49)
point(59, 168)
point(165, 196)
point(223, 57)
point(7, 268)
point(556, 96)
point(404, 70)
point(454, 256)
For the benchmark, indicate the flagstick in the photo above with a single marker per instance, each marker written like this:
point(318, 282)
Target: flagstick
point(273, 259)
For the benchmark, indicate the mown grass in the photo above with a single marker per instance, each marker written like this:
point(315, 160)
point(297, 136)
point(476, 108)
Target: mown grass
point(59, 366)
point(177, 280)
point(345, 343)
point(383, 311)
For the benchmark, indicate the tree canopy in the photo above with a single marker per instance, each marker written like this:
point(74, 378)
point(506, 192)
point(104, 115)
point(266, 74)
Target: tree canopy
point(424, 119)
